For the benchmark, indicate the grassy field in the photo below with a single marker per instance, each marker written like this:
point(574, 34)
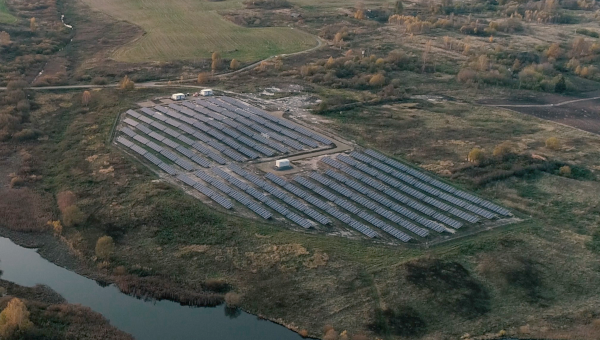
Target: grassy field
point(5, 16)
point(188, 30)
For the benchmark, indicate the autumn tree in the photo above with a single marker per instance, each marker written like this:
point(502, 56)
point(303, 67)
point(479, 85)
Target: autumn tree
point(359, 14)
point(33, 25)
point(330, 63)
point(553, 51)
point(86, 98)
point(14, 318)
point(4, 38)
point(234, 65)
point(565, 170)
point(126, 84)
point(65, 199)
point(105, 247)
point(377, 80)
point(204, 78)
point(216, 61)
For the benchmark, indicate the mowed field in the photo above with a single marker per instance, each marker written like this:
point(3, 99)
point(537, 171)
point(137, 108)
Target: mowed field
point(5, 16)
point(192, 29)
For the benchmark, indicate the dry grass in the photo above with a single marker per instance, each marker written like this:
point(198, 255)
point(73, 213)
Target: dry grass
point(25, 210)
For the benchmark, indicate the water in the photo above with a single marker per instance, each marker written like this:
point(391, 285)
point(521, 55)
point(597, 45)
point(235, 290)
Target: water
point(143, 319)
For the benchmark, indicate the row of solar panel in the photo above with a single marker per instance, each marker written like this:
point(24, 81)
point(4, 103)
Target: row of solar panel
point(426, 188)
point(439, 184)
point(385, 213)
point(234, 119)
point(236, 195)
point(233, 102)
point(377, 197)
point(269, 202)
point(168, 169)
point(157, 136)
point(279, 194)
point(409, 190)
point(405, 200)
point(181, 149)
point(197, 134)
point(234, 134)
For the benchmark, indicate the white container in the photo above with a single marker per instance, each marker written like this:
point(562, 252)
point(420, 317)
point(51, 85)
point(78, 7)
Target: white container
point(282, 163)
point(178, 96)
point(206, 92)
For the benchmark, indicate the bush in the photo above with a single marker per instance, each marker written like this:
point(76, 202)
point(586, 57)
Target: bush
point(105, 247)
point(565, 170)
point(502, 149)
point(476, 155)
point(65, 199)
point(553, 143)
point(25, 134)
point(233, 300)
point(72, 216)
point(99, 81)
point(16, 182)
point(303, 333)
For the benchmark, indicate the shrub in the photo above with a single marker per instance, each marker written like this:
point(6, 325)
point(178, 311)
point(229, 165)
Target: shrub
point(553, 143)
point(331, 335)
point(216, 285)
point(233, 300)
point(303, 333)
point(16, 182)
point(15, 317)
point(65, 199)
point(72, 216)
point(377, 80)
point(25, 134)
point(56, 227)
point(502, 149)
point(127, 84)
point(204, 78)
point(99, 81)
point(476, 155)
point(105, 247)
point(405, 322)
point(234, 65)
point(565, 170)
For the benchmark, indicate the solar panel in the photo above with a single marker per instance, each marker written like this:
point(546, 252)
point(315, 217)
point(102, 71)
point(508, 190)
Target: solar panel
point(124, 141)
point(128, 131)
point(153, 159)
point(168, 169)
point(138, 150)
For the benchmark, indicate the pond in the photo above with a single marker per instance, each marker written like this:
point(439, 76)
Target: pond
point(143, 319)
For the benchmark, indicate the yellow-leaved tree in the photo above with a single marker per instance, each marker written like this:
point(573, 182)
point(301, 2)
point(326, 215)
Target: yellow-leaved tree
point(15, 317)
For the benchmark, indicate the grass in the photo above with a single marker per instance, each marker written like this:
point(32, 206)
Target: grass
point(5, 16)
point(188, 30)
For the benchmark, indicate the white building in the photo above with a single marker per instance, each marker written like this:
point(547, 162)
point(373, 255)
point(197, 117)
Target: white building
point(206, 92)
point(178, 96)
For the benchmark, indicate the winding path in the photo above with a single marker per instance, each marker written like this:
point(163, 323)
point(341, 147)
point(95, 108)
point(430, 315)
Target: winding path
point(545, 105)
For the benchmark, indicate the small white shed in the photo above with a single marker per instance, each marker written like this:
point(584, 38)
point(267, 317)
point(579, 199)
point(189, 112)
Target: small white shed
point(178, 96)
point(282, 164)
point(206, 92)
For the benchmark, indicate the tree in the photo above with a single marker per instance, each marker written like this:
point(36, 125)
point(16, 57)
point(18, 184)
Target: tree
point(234, 65)
point(4, 38)
point(303, 333)
point(330, 62)
point(553, 51)
point(561, 85)
point(476, 155)
point(15, 317)
point(553, 143)
point(105, 247)
point(65, 199)
point(216, 61)
point(360, 14)
point(127, 84)
point(398, 7)
point(32, 25)
point(86, 98)
point(56, 227)
point(72, 216)
point(377, 80)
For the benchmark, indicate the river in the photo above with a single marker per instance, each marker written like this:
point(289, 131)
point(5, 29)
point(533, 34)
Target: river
point(143, 319)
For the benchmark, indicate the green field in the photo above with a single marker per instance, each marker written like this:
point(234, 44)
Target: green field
point(5, 16)
point(188, 29)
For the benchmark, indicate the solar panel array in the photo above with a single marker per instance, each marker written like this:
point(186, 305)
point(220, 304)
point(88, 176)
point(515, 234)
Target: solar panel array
point(365, 191)
point(439, 184)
